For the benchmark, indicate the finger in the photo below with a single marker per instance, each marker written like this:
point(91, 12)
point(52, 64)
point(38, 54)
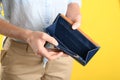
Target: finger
point(47, 53)
point(65, 55)
point(56, 56)
point(75, 25)
point(50, 39)
point(54, 53)
point(43, 51)
point(77, 22)
point(53, 49)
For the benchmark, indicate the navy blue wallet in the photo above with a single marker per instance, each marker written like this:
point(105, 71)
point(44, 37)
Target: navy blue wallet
point(73, 42)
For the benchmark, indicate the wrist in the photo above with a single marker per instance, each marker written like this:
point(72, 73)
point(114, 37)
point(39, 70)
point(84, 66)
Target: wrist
point(27, 35)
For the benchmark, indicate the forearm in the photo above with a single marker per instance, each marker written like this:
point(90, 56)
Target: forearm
point(12, 31)
point(73, 12)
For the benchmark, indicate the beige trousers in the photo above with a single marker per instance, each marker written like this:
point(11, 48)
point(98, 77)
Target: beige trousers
point(20, 63)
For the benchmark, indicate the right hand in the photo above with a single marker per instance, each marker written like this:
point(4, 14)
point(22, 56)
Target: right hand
point(37, 41)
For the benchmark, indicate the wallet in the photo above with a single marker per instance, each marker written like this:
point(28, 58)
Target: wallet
point(75, 43)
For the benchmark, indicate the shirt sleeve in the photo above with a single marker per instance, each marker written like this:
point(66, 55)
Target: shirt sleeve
point(1, 8)
point(1, 17)
point(76, 1)
point(6, 9)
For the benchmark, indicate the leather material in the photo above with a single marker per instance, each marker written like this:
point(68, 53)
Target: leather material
point(72, 42)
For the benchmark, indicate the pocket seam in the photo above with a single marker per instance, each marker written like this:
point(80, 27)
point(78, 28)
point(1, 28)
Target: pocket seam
point(3, 54)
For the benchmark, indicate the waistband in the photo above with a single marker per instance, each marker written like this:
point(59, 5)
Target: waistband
point(12, 43)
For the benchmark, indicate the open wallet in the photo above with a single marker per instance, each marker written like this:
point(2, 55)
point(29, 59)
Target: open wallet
point(73, 42)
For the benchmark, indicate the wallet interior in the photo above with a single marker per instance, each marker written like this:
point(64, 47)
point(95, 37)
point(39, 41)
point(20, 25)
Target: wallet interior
point(72, 42)
point(72, 39)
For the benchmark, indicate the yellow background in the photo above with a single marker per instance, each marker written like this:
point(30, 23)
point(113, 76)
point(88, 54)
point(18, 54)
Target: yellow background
point(101, 20)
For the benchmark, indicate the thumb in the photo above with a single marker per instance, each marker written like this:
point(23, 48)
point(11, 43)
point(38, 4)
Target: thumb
point(76, 25)
point(50, 39)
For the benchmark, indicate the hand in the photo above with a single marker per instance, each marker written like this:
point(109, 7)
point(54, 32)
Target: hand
point(77, 22)
point(37, 41)
point(56, 50)
point(73, 13)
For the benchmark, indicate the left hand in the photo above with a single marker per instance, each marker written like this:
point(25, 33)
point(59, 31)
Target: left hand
point(73, 13)
point(77, 22)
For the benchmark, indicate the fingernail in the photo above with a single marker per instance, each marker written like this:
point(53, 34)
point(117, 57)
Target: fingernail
point(74, 27)
point(56, 43)
point(61, 53)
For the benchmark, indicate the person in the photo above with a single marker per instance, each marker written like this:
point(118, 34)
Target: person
point(25, 49)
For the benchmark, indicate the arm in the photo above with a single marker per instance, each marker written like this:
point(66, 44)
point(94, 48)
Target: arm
point(13, 31)
point(35, 39)
point(73, 12)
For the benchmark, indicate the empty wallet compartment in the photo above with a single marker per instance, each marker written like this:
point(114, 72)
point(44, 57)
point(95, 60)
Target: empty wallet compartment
point(73, 42)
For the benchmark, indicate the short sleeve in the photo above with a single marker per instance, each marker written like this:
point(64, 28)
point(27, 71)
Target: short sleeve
point(76, 1)
point(6, 9)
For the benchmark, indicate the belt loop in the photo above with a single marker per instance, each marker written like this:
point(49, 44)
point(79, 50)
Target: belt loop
point(27, 47)
point(7, 43)
point(4, 41)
